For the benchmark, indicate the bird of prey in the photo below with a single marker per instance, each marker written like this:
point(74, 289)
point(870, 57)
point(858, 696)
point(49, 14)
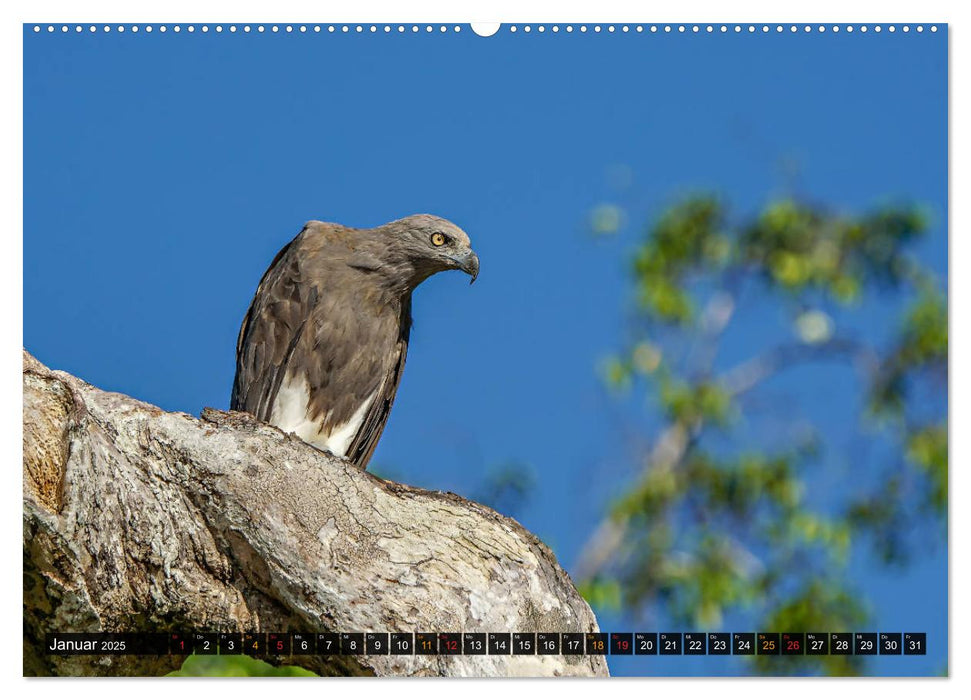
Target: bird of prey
point(322, 347)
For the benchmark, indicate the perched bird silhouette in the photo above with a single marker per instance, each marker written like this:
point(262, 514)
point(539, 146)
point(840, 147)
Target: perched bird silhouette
point(323, 344)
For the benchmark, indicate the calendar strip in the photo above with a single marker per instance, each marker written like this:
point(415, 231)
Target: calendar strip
point(492, 643)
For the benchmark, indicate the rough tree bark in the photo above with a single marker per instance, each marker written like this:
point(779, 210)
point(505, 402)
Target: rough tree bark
point(140, 520)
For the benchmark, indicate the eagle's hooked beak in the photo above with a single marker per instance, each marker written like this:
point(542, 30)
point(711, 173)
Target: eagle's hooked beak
point(469, 263)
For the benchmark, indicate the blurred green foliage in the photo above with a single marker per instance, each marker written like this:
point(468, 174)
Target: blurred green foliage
point(196, 665)
point(714, 522)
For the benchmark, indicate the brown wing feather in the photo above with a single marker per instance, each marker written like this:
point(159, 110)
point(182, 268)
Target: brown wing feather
point(366, 439)
point(271, 329)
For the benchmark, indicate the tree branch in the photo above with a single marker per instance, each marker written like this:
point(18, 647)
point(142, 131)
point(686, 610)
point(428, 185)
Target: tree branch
point(601, 546)
point(747, 375)
point(138, 520)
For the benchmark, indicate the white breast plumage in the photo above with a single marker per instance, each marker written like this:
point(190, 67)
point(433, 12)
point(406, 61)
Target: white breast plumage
point(290, 414)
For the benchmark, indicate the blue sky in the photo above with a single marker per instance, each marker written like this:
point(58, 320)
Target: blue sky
point(162, 172)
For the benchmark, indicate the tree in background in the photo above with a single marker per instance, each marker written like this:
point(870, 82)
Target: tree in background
point(723, 517)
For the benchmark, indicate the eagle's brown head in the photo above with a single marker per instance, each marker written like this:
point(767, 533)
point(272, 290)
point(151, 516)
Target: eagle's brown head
point(418, 246)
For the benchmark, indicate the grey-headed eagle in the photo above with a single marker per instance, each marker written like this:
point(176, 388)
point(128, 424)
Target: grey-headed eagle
point(323, 344)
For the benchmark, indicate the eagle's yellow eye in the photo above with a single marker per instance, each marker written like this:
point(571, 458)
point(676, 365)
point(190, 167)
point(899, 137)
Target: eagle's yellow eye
point(438, 239)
